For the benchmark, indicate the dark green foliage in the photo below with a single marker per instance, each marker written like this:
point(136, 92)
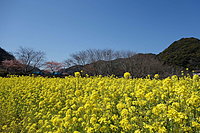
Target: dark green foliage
point(184, 52)
point(4, 55)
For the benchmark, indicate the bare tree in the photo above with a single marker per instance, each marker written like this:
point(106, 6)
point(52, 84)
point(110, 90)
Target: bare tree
point(68, 63)
point(79, 58)
point(30, 58)
point(53, 66)
point(124, 54)
point(94, 55)
point(101, 59)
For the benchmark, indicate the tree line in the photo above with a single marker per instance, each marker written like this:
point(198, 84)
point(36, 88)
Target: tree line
point(90, 61)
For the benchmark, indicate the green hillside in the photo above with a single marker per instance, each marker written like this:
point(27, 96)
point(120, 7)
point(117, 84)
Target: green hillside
point(184, 52)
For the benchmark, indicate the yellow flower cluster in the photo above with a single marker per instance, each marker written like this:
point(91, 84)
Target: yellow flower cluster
point(77, 74)
point(127, 75)
point(99, 104)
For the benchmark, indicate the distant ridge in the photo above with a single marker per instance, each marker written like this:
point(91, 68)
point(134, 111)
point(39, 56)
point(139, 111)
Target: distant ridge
point(139, 65)
point(184, 52)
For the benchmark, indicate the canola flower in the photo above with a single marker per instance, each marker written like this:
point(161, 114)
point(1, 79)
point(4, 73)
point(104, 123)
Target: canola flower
point(77, 74)
point(156, 76)
point(99, 104)
point(127, 75)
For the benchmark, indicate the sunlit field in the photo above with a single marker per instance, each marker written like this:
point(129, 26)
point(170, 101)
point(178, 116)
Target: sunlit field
point(100, 104)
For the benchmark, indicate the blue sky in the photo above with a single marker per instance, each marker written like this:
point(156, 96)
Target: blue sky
point(62, 27)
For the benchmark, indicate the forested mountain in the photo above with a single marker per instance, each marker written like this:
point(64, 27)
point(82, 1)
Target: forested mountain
point(184, 52)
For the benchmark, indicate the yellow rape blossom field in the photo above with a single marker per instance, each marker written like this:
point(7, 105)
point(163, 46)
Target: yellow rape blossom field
point(99, 104)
